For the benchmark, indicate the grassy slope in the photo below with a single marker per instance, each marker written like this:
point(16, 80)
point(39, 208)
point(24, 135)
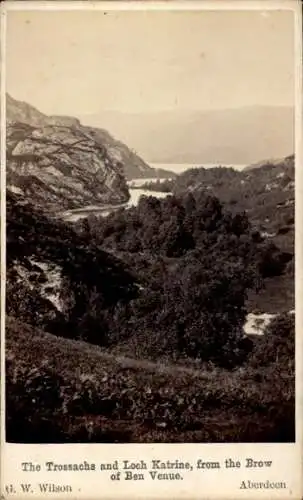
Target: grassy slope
point(62, 390)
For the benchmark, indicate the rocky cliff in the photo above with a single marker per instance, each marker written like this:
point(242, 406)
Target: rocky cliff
point(133, 166)
point(59, 167)
point(59, 164)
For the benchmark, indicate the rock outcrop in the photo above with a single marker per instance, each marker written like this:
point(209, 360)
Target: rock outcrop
point(59, 167)
point(133, 166)
point(59, 164)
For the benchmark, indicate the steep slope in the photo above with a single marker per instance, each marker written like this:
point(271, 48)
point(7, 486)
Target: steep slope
point(18, 111)
point(55, 276)
point(131, 165)
point(59, 167)
point(76, 392)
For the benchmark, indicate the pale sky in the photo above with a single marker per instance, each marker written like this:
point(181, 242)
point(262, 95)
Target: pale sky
point(80, 63)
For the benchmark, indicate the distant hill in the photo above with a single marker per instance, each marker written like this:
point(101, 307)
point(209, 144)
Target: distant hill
point(230, 136)
point(19, 111)
point(265, 191)
point(272, 162)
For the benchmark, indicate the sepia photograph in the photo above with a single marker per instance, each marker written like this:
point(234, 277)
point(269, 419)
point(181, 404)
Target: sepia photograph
point(150, 226)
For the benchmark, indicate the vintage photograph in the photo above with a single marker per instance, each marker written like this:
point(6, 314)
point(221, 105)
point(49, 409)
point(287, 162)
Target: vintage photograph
point(150, 199)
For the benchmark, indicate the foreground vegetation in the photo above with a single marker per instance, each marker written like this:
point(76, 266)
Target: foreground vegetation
point(60, 390)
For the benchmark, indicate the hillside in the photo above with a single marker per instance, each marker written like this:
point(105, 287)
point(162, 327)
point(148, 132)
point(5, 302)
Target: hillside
point(287, 162)
point(176, 248)
point(229, 136)
point(22, 112)
point(119, 156)
point(56, 279)
point(265, 192)
point(58, 167)
point(76, 392)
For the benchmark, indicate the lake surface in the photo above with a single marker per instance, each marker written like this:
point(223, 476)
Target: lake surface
point(104, 210)
point(135, 194)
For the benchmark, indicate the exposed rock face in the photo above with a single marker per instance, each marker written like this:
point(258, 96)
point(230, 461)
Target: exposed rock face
point(133, 166)
point(59, 167)
point(59, 164)
point(78, 187)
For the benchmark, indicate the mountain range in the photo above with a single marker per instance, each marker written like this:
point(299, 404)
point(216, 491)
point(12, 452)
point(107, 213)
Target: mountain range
point(229, 136)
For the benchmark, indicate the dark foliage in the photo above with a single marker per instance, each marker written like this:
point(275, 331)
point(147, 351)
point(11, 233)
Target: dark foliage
point(265, 193)
point(60, 391)
point(158, 185)
point(195, 263)
point(90, 275)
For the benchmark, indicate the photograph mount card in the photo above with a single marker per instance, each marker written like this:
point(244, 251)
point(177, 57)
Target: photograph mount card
point(151, 257)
